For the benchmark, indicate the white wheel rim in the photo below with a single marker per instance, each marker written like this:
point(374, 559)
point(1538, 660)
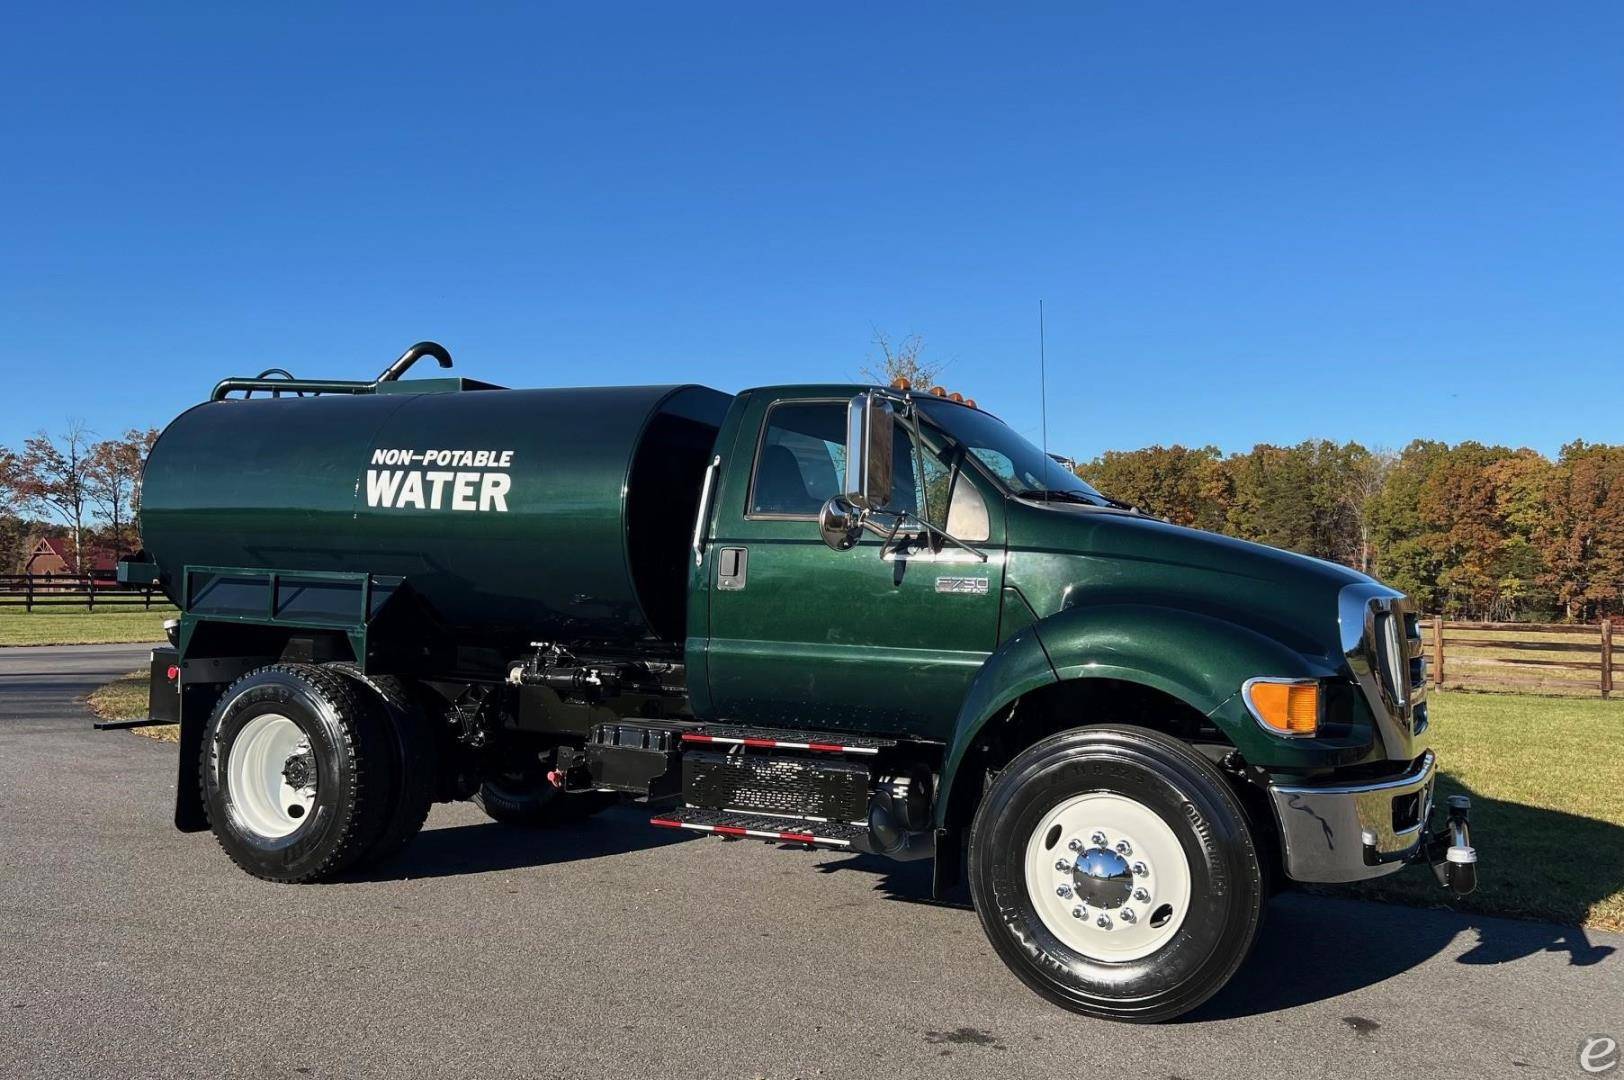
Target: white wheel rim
point(257, 776)
point(1095, 910)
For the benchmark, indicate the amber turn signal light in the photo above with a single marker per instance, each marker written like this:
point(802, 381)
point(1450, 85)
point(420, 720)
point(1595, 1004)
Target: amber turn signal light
point(1290, 708)
point(901, 383)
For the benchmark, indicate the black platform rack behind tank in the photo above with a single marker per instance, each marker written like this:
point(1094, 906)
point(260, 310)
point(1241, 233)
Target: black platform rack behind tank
point(351, 604)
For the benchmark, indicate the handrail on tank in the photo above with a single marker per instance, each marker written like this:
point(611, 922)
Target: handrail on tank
point(334, 386)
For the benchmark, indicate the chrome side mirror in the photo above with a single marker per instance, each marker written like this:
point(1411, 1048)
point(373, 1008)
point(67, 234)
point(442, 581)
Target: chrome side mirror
point(840, 524)
point(870, 441)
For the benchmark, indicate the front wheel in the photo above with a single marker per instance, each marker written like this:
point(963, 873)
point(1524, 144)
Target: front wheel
point(1114, 872)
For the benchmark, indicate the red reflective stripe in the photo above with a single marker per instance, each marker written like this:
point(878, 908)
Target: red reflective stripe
point(690, 737)
point(667, 822)
point(798, 837)
point(768, 743)
point(730, 830)
point(833, 748)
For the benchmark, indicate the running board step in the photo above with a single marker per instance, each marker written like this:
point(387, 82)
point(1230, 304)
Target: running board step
point(786, 830)
point(759, 738)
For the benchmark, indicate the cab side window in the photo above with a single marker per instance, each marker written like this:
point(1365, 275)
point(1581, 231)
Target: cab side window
point(802, 463)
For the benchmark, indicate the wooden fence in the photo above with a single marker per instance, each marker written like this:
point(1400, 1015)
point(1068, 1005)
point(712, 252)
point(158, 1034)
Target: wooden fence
point(30, 591)
point(1529, 658)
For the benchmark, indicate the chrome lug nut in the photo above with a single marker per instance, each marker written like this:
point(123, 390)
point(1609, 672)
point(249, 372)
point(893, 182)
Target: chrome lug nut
point(1141, 894)
point(1140, 869)
point(1075, 844)
point(1079, 913)
point(1098, 839)
point(1103, 922)
point(1127, 915)
point(1124, 848)
point(1064, 892)
point(1062, 865)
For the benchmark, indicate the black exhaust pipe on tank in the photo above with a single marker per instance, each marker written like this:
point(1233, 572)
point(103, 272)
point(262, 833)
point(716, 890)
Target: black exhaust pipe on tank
point(412, 356)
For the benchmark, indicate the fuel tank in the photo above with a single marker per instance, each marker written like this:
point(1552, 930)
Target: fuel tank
point(513, 515)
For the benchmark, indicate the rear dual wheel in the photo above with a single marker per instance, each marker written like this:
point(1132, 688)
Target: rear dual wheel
point(308, 771)
point(1114, 872)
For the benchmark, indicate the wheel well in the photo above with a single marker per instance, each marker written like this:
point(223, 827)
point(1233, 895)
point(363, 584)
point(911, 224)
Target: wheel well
point(1079, 703)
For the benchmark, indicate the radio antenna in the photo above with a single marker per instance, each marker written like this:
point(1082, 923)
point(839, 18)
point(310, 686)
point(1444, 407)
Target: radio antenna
point(1043, 383)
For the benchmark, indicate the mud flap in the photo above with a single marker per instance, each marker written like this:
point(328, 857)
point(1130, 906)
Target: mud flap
point(197, 701)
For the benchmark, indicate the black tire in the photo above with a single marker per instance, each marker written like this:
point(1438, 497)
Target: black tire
point(355, 768)
point(1192, 798)
point(524, 796)
point(417, 766)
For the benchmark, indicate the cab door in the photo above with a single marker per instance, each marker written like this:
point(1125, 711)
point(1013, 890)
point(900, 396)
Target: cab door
point(804, 636)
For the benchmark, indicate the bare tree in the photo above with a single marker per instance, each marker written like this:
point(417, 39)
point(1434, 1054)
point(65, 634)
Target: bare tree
point(1366, 478)
point(52, 478)
point(900, 360)
point(114, 483)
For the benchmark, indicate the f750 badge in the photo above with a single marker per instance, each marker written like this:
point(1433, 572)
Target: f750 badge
point(975, 586)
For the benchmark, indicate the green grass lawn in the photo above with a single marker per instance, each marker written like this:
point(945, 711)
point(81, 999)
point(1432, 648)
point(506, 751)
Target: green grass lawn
point(75, 626)
point(1546, 778)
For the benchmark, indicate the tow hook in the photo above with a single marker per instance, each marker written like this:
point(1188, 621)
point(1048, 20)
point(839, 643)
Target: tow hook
point(1450, 850)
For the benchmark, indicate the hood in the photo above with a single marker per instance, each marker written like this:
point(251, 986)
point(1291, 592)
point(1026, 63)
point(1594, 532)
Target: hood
point(1062, 555)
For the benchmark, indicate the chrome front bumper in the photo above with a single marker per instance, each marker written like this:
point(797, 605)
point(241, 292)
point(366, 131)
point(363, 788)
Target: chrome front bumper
point(1352, 832)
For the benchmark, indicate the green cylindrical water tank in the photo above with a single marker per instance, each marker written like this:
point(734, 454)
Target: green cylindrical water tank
point(559, 515)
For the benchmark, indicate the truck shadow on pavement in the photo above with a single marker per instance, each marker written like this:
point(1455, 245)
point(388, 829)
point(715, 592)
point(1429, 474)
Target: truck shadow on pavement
point(489, 847)
point(1312, 946)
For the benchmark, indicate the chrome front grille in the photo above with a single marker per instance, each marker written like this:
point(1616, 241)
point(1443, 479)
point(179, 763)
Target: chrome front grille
point(1382, 639)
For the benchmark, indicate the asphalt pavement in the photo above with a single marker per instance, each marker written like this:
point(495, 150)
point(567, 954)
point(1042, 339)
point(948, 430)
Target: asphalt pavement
point(614, 949)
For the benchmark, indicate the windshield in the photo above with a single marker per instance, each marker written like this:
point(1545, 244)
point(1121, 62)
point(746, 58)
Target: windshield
point(1021, 467)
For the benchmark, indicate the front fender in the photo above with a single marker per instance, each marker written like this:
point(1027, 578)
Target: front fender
point(1018, 667)
point(1198, 658)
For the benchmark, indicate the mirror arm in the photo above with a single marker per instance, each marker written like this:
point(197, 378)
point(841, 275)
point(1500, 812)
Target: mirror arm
point(951, 539)
point(898, 517)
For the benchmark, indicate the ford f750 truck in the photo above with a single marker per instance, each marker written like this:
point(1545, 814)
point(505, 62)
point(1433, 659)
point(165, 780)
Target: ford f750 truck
point(869, 619)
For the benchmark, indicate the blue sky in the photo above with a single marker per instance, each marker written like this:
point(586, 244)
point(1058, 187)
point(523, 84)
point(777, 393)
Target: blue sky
point(1248, 223)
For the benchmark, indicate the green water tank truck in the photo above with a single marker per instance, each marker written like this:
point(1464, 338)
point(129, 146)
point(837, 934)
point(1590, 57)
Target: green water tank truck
point(868, 619)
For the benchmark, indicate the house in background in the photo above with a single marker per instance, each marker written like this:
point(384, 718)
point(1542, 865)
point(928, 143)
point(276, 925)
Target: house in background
point(54, 555)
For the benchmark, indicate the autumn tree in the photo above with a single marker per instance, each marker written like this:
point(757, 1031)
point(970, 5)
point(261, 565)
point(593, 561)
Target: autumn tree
point(1296, 497)
point(52, 478)
point(1403, 556)
point(1184, 485)
point(114, 484)
point(1584, 546)
point(13, 529)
